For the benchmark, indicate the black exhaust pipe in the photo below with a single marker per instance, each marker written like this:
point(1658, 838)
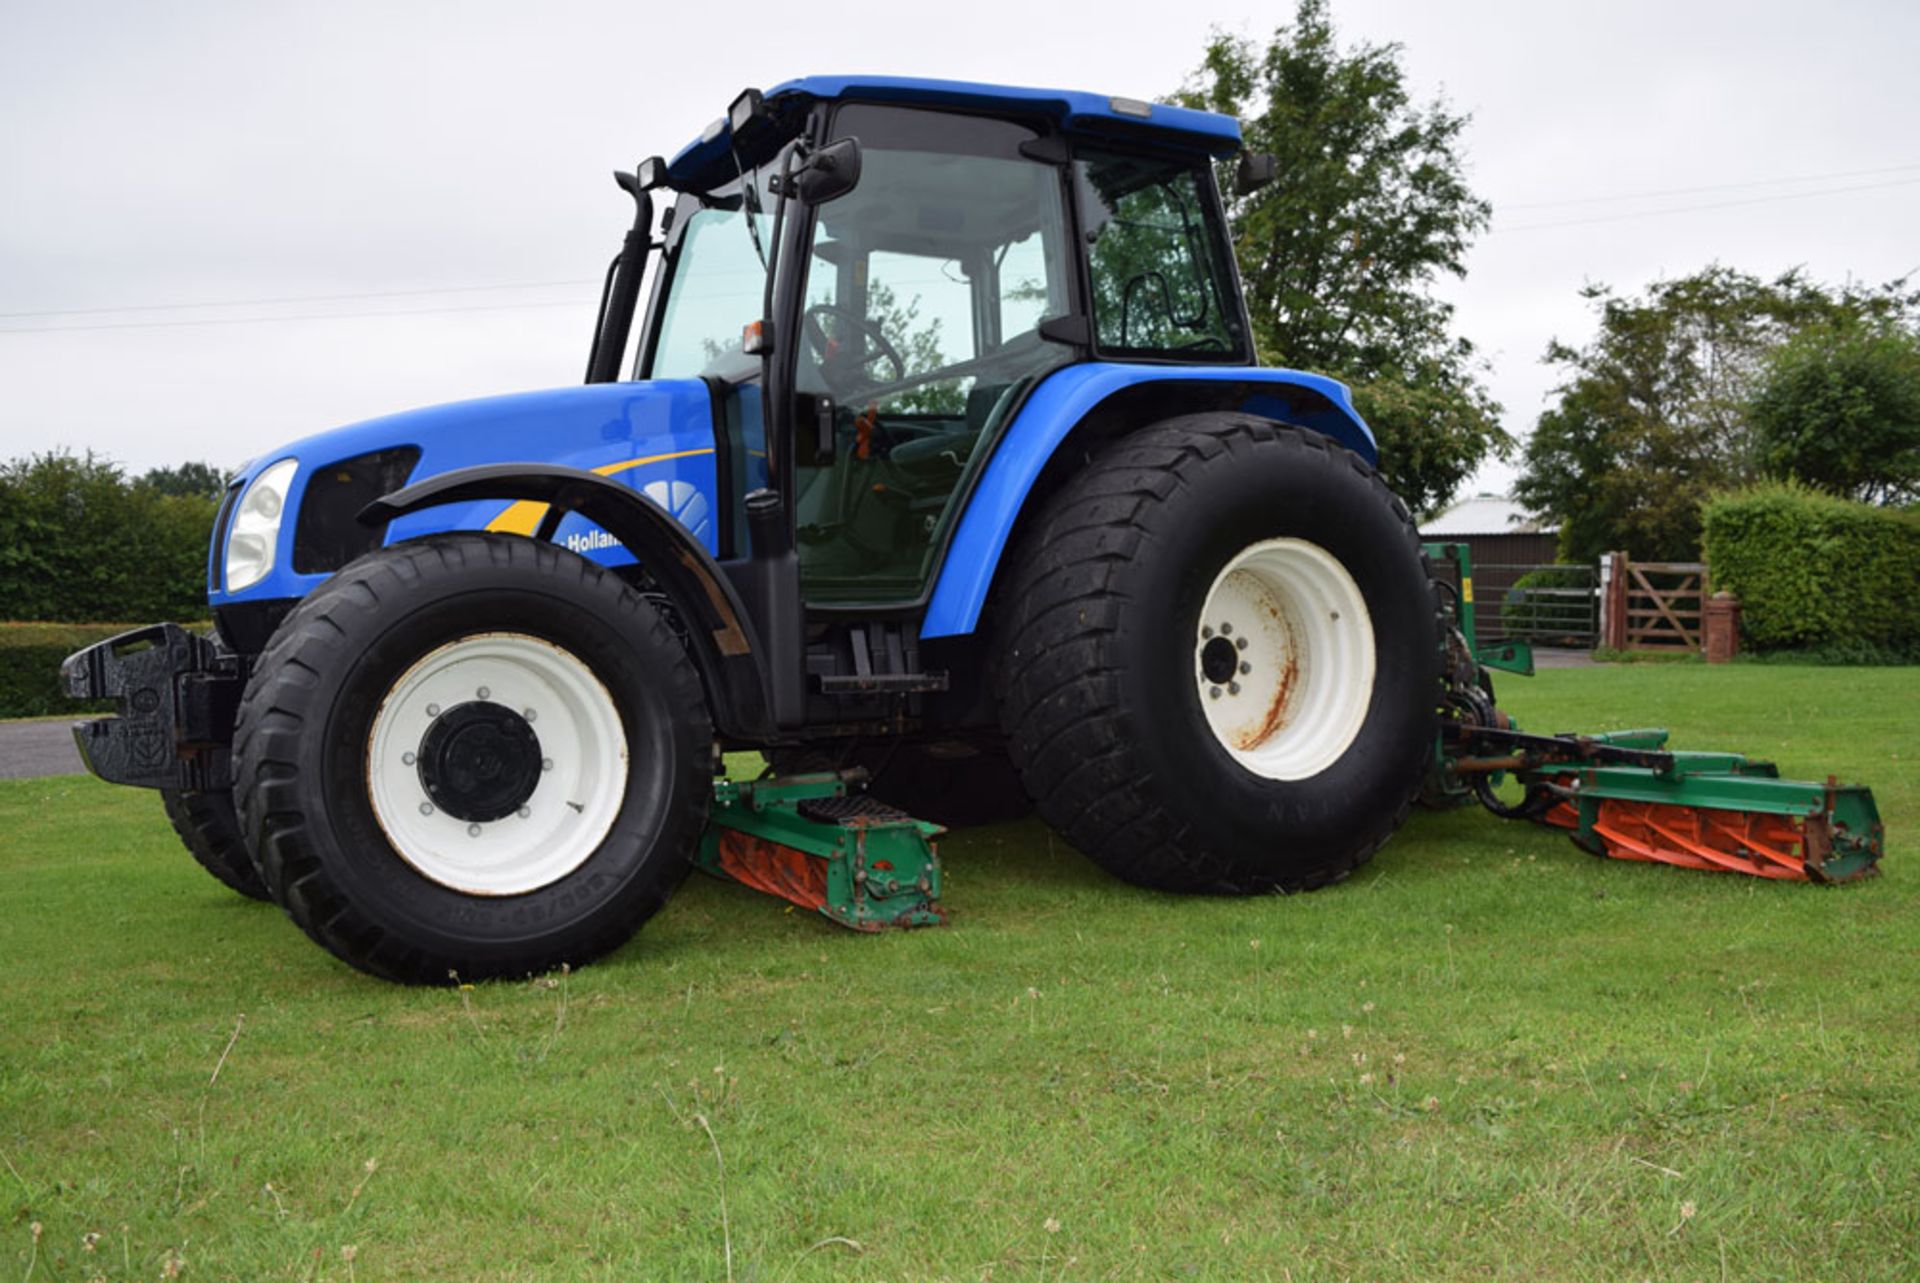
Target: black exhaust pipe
point(622, 288)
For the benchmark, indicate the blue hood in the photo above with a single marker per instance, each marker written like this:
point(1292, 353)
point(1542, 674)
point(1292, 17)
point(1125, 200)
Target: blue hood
point(657, 437)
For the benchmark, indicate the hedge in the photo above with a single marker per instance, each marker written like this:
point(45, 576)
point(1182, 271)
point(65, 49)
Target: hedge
point(81, 541)
point(30, 656)
point(1813, 571)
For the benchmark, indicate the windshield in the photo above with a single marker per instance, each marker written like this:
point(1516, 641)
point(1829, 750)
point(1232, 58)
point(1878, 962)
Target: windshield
point(717, 285)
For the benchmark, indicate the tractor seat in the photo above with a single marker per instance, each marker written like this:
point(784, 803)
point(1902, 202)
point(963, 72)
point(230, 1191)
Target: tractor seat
point(929, 452)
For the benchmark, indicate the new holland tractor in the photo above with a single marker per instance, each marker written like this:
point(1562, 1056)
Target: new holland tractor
point(939, 469)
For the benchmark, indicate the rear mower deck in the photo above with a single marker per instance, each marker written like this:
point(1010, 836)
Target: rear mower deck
point(1625, 794)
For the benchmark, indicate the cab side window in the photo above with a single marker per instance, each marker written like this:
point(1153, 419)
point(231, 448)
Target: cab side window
point(1156, 260)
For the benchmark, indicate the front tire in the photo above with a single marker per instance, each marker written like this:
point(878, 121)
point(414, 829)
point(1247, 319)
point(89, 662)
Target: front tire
point(472, 756)
point(210, 830)
point(1220, 659)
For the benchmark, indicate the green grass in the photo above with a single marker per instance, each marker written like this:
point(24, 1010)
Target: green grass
point(1489, 1055)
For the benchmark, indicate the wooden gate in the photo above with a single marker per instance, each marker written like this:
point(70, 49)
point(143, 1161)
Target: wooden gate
point(1651, 605)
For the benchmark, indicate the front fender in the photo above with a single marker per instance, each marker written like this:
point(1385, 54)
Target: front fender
point(731, 662)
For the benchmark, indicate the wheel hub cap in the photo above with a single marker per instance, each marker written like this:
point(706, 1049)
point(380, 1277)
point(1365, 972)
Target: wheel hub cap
point(479, 761)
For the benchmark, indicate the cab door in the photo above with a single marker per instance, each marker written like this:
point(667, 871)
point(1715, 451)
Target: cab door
point(918, 335)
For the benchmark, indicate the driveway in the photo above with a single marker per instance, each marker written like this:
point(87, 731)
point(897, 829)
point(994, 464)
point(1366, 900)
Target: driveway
point(28, 749)
point(1557, 657)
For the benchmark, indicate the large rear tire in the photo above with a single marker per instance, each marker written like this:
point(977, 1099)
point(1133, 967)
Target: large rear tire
point(210, 830)
point(1220, 658)
point(472, 756)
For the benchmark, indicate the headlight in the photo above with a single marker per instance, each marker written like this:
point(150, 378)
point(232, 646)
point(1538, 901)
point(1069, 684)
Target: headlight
point(256, 526)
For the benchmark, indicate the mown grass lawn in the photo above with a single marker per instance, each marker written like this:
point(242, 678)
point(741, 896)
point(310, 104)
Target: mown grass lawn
point(1489, 1055)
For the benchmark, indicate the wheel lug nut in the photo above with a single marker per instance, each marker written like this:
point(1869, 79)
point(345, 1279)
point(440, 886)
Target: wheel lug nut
point(433, 710)
point(528, 713)
point(408, 759)
point(473, 830)
point(546, 764)
point(1206, 631)
point(1233, 688)
point(1213, 692)
point(1245, 667)
point(483, 693)
point(1226, 630)
point(1241, 644)
point(525, 811)
point(426, 808)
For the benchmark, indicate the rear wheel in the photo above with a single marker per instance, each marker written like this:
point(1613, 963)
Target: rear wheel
point(473, 755)
point(208, 826)
point(1220, 658)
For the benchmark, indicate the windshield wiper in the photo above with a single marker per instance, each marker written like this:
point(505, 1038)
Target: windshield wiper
point(750, 205)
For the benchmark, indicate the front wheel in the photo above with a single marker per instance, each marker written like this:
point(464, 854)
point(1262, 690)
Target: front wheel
point(472, 756)
point(1220, 658)
point(211, 833)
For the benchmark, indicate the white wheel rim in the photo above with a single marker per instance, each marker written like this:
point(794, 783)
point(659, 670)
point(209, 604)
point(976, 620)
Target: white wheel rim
point(1296, 690)
point(575, 799)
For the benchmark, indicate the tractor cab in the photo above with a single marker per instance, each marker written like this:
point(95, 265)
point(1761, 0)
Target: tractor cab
point(874, 275)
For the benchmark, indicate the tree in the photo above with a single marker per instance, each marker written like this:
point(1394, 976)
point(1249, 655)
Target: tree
point(1339, 257)
point(1654, 414)
point(189, 480)
point(1838, 407)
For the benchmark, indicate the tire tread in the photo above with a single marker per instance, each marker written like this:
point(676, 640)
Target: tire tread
point(1056, 618)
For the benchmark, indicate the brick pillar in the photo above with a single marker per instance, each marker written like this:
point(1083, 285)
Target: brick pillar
point(1723, 627)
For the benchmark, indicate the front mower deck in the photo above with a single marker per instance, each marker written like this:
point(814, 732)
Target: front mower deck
point(808, 839)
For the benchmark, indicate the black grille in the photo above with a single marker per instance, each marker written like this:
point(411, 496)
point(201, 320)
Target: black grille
point(327, 536)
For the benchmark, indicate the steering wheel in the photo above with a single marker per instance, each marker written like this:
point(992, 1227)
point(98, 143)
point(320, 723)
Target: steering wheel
point(877, 346)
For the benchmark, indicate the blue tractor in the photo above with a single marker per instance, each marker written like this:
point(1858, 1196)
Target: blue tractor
point(939, 458)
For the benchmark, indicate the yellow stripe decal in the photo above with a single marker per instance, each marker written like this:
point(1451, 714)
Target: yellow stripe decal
point(522, 517)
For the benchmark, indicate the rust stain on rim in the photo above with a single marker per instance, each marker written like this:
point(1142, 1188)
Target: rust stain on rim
point(1277, 709)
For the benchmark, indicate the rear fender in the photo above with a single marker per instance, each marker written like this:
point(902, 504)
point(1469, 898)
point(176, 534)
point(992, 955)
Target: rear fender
point(1103, 394)
point(721, 633)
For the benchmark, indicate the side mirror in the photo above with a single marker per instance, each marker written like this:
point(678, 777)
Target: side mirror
point(828, 173)
point(1257, 169)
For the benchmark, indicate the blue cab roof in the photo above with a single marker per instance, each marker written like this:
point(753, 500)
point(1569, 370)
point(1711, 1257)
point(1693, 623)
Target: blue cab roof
point(1074, 111)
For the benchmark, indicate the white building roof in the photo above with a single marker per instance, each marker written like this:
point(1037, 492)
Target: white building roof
point(1484, 514)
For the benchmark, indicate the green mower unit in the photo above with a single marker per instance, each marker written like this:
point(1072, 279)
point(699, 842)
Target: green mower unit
point(1623, 794)
point(812, 840)
point(923, 449)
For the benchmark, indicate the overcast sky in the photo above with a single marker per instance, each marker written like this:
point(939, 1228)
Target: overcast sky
point(454, 159)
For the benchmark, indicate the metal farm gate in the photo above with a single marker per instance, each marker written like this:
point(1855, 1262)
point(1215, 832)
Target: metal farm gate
point(1547, 604)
